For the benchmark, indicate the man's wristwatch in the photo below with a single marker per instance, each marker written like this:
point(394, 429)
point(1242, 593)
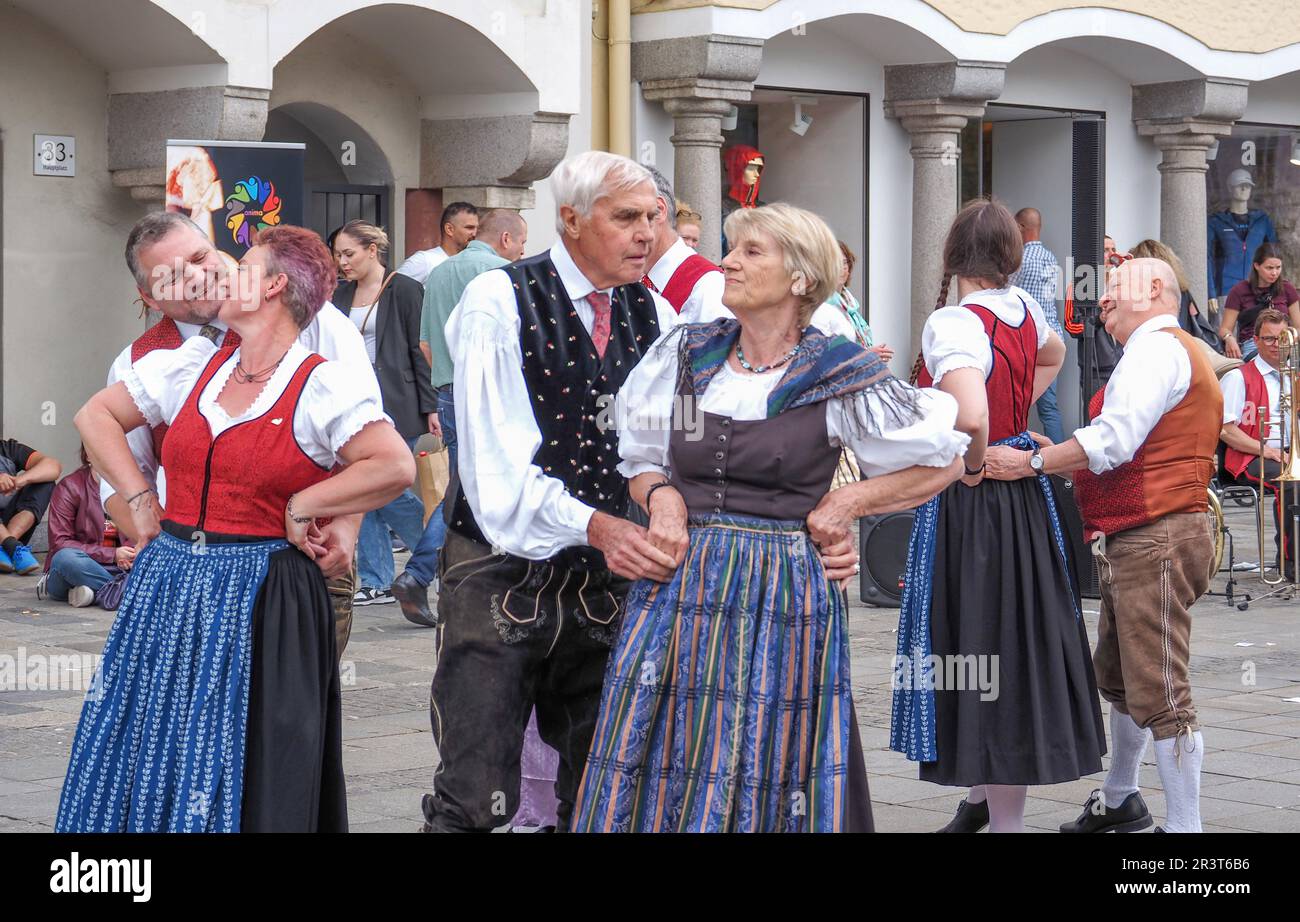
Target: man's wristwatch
point(1036, 462)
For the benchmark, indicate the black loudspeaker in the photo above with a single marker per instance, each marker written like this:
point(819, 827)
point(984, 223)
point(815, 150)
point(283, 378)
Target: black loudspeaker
point(882, 549)
point(1082, 564)
point(1097, 351)
point(883, 540)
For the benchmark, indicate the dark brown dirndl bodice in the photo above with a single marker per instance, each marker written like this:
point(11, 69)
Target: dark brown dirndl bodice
point(776, 468)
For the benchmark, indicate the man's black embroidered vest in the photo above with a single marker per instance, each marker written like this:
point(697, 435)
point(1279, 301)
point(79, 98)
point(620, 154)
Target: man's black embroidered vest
point(570, 386)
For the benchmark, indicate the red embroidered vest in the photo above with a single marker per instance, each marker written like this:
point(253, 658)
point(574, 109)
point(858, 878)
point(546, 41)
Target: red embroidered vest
point(1010, 385)
point(1172, 469)
point(165, 335)
point(1254, 412)
point(682, 283)
point(239, 482)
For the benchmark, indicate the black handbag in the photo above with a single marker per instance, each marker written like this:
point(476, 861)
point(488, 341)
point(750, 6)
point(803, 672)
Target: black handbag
point(1192, 319)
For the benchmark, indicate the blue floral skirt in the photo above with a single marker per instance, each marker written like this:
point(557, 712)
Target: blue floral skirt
point(167, 732)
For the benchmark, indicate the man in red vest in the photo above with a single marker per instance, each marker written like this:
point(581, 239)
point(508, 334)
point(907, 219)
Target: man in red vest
point(1250, 399)
point(179, 272)
point(687, 281)
point(1142, 473)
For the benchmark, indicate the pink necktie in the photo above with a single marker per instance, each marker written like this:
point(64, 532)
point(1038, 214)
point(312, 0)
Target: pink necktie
point(599, 302)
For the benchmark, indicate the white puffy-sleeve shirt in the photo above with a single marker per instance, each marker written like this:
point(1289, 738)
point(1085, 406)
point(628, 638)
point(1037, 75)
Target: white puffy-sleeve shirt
point(330, 333)
point(954, 337)
point(832, 321)
point(644, 410)
point(517, 506)
point(336, 401)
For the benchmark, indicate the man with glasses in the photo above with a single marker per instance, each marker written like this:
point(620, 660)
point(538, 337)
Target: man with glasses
point(1250, 399)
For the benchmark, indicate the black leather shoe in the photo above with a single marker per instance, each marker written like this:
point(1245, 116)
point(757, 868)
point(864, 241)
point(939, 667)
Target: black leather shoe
point(1130, 816)
point(426, 807)
point(970, 817)
point(414, 600)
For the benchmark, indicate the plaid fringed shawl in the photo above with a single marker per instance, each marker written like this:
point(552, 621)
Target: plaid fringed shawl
point(825, 367)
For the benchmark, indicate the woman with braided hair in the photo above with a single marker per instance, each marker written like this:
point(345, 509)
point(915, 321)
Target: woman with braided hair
point(988, 583)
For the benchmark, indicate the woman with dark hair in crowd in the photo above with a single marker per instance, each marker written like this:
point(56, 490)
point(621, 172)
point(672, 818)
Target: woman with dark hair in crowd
point(988, 580)
point(216, 704)
point(385, 306)
point(82, 561)
point(1264, 288)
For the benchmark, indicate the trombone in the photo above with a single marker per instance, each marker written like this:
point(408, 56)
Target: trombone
point(1289, 476)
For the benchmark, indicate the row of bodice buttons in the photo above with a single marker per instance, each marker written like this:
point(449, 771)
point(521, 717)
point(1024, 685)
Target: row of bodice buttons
point(720, 457)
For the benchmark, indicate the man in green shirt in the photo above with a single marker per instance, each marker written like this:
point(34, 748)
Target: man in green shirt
point(502, 235)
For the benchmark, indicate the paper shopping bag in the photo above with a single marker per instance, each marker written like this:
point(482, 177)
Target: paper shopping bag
point(435, 472)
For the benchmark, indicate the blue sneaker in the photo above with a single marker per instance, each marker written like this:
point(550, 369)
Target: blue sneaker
point(23, 560)
point(6, 563)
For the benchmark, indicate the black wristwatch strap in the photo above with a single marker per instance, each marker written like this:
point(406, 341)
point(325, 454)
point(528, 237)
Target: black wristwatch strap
point(651, 492)
point(978, 470)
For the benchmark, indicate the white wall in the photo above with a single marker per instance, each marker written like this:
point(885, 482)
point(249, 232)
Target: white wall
point(1032, 168)
point(68, 296)
point(372, 94)
point(1275, 102)
point(541, 218)
point(823, 171)
point(1059, 78)
point(819, 60)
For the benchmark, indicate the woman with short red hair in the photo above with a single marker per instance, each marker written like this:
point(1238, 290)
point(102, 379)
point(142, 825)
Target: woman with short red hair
point(216, 705)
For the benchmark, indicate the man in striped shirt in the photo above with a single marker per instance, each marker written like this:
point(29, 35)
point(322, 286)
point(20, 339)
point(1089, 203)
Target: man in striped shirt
point(1038, 275)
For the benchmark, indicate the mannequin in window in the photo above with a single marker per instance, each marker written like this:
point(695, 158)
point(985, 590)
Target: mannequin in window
point(1234, 235)
point(744, 166)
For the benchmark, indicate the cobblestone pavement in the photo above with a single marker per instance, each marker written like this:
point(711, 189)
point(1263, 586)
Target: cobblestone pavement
point(1245, 674)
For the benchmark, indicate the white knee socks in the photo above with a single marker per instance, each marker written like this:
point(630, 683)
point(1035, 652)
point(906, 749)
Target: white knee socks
point(1179, 762)
point(976, 795)
point(1006, 807)
point(1128, 742)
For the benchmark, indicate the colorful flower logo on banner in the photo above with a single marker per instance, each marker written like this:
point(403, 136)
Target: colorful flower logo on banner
point(253, 205)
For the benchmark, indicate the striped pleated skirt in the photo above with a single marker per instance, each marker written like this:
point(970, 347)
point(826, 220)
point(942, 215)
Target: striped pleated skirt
point(726, 705)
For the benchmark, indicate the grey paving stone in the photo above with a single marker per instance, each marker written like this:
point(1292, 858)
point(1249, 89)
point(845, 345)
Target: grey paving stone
point(1281, 820)
point(1260, 791)
point(1251, 732)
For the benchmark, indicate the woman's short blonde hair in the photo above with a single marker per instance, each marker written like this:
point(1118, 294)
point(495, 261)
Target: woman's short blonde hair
point(812, 254)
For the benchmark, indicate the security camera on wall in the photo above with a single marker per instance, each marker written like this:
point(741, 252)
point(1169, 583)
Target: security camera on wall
point(802, 122)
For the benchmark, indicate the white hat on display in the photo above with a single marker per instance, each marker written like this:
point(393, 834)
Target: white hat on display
point(1238, 177)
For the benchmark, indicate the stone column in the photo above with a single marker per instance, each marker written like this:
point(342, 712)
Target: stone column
point(1184, 119)
point(698, 79)
point(697, 163)
point(934, 102)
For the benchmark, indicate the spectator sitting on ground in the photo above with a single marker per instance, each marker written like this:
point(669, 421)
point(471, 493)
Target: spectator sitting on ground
point(26, 482)
point(80, 563)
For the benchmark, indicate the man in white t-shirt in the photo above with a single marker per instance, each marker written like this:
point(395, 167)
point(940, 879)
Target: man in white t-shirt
point(458, 227)
point(178, 271)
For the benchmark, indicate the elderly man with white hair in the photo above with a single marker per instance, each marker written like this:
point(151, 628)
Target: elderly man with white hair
point(1142, 469)
point(538, 554)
